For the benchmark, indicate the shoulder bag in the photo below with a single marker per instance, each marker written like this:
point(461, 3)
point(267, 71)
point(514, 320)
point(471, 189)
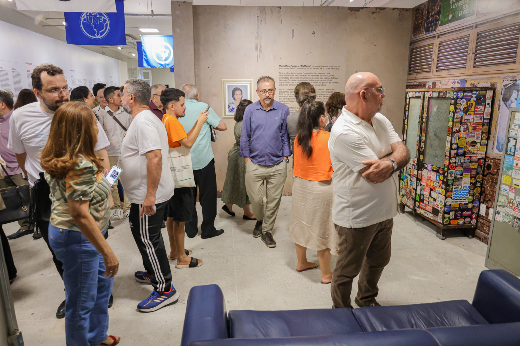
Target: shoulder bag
point(17, 200)
point(115, 119)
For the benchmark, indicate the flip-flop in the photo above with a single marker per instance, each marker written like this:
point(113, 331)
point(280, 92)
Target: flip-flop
point(194, 263)
point(187, 252)
point(115, 341)
point(314, 266)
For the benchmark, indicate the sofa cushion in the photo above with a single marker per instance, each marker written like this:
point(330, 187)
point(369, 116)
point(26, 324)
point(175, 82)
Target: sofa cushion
point(390, 338)
point(506, 334)
point(247, 324)
point(419, 316)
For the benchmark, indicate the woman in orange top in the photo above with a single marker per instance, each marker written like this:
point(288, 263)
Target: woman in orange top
point(311, 216)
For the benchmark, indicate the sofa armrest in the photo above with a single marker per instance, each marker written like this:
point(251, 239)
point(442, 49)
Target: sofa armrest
point(206, 317)
point(503, 334)
point(497, 297)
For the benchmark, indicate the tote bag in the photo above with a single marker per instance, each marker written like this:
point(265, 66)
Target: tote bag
point(181, 167)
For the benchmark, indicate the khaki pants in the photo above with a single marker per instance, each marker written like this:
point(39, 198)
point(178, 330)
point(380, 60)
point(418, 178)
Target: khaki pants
point(115, 194)
point(274, 179)
point(18, 180)
point(366, 250)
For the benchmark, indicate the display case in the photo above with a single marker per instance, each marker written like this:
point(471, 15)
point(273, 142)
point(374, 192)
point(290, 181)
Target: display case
point(448, 130)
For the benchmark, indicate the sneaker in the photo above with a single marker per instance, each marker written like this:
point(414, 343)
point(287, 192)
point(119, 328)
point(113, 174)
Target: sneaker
point(143, 277)
point(116, 214)
point(267, 238)
point(257, 232)
point(158, 300)
point(126, 215)
point(365, 304)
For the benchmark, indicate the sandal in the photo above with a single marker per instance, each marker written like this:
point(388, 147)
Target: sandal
point(115, 341)
point(313, 266)
point(194, 263)
point(187, 252)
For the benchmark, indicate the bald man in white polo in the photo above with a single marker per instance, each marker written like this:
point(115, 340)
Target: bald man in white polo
point(366, 154)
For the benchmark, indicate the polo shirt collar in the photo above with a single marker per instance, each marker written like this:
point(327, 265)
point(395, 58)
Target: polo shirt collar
point(190, 101)
point(351, 116)
point(259, 105)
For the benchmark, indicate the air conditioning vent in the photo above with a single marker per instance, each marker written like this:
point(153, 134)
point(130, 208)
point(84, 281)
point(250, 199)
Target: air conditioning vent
point(421, 59)
point(498, 46)
point(452, 54)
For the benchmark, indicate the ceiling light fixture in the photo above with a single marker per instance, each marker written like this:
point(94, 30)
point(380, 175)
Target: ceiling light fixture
point(148, 30)
point(64, 23)
point(119, 47)
point(133, 54)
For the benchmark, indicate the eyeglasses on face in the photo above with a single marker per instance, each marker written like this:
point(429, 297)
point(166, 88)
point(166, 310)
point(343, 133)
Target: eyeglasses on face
point(266, 91)
point(58, 91)
point(380, 89)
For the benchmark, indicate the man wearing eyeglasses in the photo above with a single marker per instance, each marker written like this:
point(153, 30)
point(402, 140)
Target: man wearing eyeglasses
point(264, 144)
point(366, 154)
point(28, 134)
point(155, 103)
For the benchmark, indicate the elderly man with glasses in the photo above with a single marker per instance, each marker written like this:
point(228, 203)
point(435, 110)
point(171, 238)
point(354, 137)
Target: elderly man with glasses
point(155, 101)
point(366, 154)
point(264, 144)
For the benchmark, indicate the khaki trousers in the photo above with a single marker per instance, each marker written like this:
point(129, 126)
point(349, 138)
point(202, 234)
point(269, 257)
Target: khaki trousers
point(274, 179)
point(19, 181)
point(365, 251)
point(115, 194)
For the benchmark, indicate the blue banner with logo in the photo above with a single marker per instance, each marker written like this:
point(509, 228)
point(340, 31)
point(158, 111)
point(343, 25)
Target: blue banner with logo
point(96, 28)
point(157, 51)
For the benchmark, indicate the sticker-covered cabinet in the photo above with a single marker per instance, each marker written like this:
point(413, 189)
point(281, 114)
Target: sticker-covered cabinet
point(446, 132)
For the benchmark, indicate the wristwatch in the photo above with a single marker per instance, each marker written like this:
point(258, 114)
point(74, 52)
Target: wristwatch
point(286, 160)
point(394, 164)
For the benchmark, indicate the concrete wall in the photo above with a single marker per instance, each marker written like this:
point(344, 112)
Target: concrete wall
point(163, 76)
point(247, 42)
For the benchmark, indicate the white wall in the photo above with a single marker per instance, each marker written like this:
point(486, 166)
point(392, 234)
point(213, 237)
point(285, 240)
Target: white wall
point(22, 50)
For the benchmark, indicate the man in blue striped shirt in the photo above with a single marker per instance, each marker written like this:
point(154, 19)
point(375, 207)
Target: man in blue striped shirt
point(264, 144)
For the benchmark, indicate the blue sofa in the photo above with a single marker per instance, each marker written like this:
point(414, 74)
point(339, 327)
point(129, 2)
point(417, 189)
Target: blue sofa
point(492, 319)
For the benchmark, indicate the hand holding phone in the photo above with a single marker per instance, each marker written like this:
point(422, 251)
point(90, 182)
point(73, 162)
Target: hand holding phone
point(113, 175)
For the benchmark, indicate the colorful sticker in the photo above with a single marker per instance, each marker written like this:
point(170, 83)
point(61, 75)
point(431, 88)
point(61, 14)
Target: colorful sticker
point(506, 180)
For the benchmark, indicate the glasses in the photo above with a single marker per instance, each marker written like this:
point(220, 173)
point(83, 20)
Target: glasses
point(58, 91)
point(380, 90)
point(265, 92)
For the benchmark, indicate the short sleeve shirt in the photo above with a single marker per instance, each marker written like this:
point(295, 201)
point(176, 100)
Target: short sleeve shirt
point(146, 133)
point(29, 129)
point(174, 129)
point(83, 183)
point(357, 202)
point(201, 151)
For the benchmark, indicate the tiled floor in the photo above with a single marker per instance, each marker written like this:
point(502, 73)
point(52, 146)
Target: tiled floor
point(423, 269)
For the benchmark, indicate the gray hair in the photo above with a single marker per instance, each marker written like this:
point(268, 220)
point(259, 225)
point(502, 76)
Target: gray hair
point(6, 96)
point(140, 89)
point(264, 79)
point(156, 86)
point(190, 90)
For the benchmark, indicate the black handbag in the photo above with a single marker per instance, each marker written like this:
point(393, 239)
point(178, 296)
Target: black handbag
point(41, 201)
point(16, 199)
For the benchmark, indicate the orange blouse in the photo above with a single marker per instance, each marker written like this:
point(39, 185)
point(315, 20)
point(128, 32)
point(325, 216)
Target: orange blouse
point(318, 167)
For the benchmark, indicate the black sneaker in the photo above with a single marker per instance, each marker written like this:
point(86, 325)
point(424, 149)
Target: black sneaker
point(37, 234)
point(257, 232)
point(267, 238)
point(19, 233)
point(61, 311)
point(216, 234)
point(163, 224)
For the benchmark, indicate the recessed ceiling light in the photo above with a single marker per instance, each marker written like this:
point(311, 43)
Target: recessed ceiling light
point(119, 47)
point(64, 23)
point(148, 30)
point(133, 54)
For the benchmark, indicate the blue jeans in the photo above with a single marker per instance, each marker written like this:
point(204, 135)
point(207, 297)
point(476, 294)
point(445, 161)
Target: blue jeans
point(87, 289)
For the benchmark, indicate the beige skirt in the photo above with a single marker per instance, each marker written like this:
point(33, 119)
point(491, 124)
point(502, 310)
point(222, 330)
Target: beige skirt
point(311, 215)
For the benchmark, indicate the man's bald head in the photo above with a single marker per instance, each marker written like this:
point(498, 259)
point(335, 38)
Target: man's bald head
point(359, 81)
point(362, 95)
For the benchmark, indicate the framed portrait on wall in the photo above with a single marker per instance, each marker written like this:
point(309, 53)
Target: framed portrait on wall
point(234, 91)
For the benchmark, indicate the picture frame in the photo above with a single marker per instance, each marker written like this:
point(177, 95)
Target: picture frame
point(230, 89)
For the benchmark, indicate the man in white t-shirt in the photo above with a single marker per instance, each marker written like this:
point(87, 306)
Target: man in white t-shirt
point(148, 183)
point(29, 131)
point(115, 122)
point(366, 154)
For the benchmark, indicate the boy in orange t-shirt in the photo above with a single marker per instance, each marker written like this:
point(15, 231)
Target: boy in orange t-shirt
point(179, 206)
